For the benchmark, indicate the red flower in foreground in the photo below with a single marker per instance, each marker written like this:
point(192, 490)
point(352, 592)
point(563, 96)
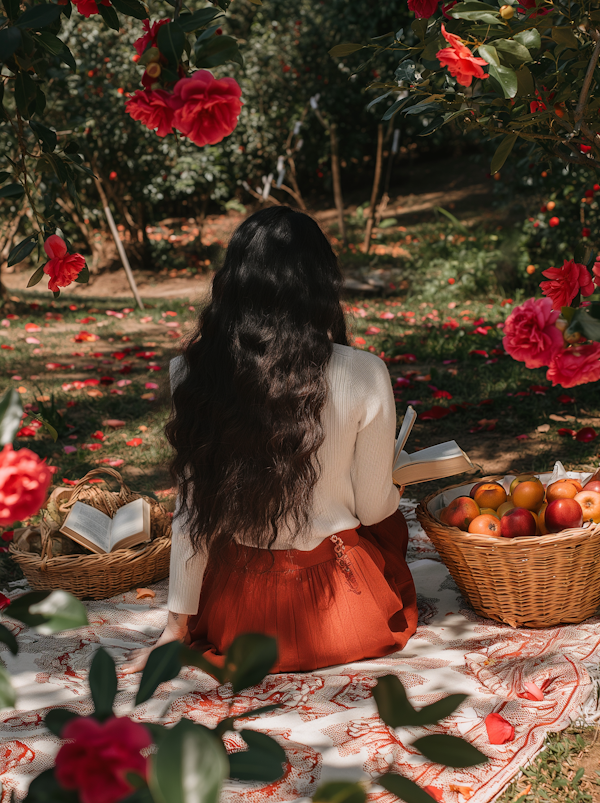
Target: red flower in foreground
point(527, 4)
point(575, 366)
point(586, 435)
point(148, 38)
point(596, 271)
point(62, 268)
point(498, 729)
point(530, 334)
point(459, 60)
point(89, 7)
point(423, 8)
point(566, 282)
point(99, 757)
point(152, 107)
point(24, 481)
point(206, 109)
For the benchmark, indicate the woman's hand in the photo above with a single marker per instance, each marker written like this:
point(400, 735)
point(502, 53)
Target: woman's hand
point(176, 630)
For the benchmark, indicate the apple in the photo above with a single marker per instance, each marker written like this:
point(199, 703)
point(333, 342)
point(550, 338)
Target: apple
point(562, 489)
point(489, 494)
point(485, 524)
point(517, 480)
point(508, 505)
point(589, 501)
point(528, 494)
point(562, 514)
point(488, 511)
point(474, 488)
point(517, 522)
point(592, 485)
point(541, 519)
point(461, 512)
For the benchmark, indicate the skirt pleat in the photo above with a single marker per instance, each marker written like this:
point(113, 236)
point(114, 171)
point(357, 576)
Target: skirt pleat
point(320, 614)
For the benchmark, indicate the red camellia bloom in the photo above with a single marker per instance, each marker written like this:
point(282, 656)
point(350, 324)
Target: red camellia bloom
point(24, 481)
point(498, 729)
point(566, 282)
point(423, 8)
point(148, 39)
point(100, 755)
point(530, 334)
point(62, 268)
point(89, 7)
point(554, 221)
point(459, 60)
point(206, 109)
point(153, 108)
point(575, 366)
point(528, 4)
point(596, 272)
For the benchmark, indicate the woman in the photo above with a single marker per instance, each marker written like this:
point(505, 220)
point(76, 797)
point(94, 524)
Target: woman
point(287, 519)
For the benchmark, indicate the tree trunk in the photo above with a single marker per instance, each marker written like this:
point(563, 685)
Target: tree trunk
point(337, 186)
point(375, 190)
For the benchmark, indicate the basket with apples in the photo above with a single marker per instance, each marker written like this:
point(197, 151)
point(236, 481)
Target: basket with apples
point(524, 550)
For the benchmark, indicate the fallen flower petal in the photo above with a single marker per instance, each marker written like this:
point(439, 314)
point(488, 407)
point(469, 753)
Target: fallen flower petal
point(151, 386)
point(564, 399)
point(98, 436)
point(435, 793)
point(69, 482)
point(134, 442)
point(115, 462)
point(522, 437)
point(465, 791)
point(586, 435)
point(144, 593)
point(498, 729)
point(373, 330)
point(114, 423)
point(435, 413)
point(564, 433)
point(69, 449)
point(532, 692)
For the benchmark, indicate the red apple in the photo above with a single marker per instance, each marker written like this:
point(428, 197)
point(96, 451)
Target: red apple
point(461, 512)
point(517, 522)
point(562, 514)
point(592, 485)
point(474, 488)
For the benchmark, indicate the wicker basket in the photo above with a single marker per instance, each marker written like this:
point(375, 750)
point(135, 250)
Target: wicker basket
point(533, 582)
point(91, 576)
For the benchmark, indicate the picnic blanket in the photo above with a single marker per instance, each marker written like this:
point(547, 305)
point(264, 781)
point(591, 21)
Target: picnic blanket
point(327, 721)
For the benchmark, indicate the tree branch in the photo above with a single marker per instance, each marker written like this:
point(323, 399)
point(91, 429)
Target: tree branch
point(587, 81)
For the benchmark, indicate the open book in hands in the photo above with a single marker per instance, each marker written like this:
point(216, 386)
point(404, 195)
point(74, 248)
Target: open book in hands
point(96, 531)
point(433, 463)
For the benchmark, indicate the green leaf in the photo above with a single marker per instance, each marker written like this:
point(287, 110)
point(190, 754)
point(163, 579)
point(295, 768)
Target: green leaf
point(193, 22)
point(514, 51)
point(525, 82)
point(507, 79)
point(419, 26)
point(451, 751)
point(475, 11)
point(396, 711)
point(84, 275)
point(46, 136)
point(189, 766)
point(502, 152)
point(3, 176)
point(530, 39)
point(49, 428)
point(227, 724)
point(394, 108)
point(21, 250)
point(217, 51)
point(24, 92)
point(404, 788)
point(37, 276)
point(56, 719)
point(584, 323)
point(48, 612)
point(12, 8)
point(103, 683)
point(163, 664)
point(40, 101)
point(67, 57)
point(195, 658)
point(131, 8)
point(10, 40)
point(45, 788)
point(8, 697)
point(38, 17)
point(249, 659)
point(11, 412)
point(339, 51)
point(263, 761)
point(50, 42)
point(565, 36)
point(110, 16)
point(340, 792)
point(170, 40)
point(490, 54)
point(8, 638)
point(11, 191)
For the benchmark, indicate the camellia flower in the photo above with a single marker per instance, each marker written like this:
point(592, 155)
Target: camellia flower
point(148, 38)
point(24, 481)
point(575, 366)
point(423, 8)
point(530, 334)
point(459, 60)
point(499, 730)
point(566, 282)
point(89, 7)
point(99, 756)
point(596, 271)
point(526, 5)
point(206, 109)
point(62, 268)
point(153, 108)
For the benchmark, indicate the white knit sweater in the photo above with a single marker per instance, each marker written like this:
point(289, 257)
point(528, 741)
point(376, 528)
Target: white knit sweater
point(355, 486)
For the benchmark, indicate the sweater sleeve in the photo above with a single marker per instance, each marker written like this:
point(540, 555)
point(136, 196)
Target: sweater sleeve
point(375, 494)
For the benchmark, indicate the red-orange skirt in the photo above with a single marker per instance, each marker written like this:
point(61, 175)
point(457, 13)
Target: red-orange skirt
point(320, 614)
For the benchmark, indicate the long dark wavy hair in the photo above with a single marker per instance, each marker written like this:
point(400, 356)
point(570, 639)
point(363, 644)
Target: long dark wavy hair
point(246, 419)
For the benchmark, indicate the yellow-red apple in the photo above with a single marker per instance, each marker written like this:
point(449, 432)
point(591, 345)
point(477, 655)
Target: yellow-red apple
point(490, 494)
point(589, 501)
point(485, 524)
point(461, 512)
point(562, 514)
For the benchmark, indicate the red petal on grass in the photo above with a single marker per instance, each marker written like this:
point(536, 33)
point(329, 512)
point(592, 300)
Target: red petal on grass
point(586, 435)
point(532, 692)
point(114, 423)
point(359, 341)
point(134, 442)
point(373, 330)
point(107, 380)
point(564, 399)
point(95, 480)
point(541, 389)
point(85, 337)
point(522, 437)
point(115, 462)
point(69, 482)
point(26, 432)
point(32, 327)
point(564, 433)
point(435, 793)
point(435, 413)
point(8, 348)
point(479, 353)
point(442, 394)
point(98, 435)
point(91, 382)
point(92, 447)
point(498, 729)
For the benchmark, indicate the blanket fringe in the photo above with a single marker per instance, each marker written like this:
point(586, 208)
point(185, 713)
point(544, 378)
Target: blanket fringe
point(589, 713)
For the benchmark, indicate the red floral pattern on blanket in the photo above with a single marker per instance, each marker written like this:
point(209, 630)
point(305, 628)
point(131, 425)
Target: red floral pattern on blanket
point(327, 721)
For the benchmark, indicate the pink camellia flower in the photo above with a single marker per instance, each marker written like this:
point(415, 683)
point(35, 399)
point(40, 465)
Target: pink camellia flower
point(24, 481)
point(530, 334)
point(153, 108)
point(459, 60)
point(566, 282)
point(206, 109)
point(576, 365)
point(62, 268)
point(148, 38)
point(89, 7)
point(423, 8)
point(99, 756)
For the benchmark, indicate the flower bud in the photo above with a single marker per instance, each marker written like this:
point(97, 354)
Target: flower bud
point(507, 12)
point(550, 206)
point(153, 70)
point(562, 324)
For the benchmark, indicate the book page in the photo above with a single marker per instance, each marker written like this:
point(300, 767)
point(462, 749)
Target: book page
point(409, 419)
point(128, 521)
point(435, 462)
point(91, 524)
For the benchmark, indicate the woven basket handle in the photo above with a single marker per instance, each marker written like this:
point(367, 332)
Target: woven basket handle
point(46, 545)
point(81, 483)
